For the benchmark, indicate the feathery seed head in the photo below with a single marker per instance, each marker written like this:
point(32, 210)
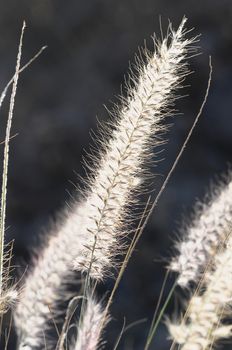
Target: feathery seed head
point(90, 235)
point(7, 300)
point(121, 166)
point(202, 238)
point(203, 326)
point(89, 330)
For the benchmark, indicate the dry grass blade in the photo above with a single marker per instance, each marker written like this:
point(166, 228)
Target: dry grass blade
point(72, 306)
point(6, 161)
point(3, 94)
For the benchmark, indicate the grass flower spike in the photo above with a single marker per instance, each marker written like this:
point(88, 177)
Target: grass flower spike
point(203, 327)
point(89, 330)
point(208, 230)
point(120, 171)
point(89, 235)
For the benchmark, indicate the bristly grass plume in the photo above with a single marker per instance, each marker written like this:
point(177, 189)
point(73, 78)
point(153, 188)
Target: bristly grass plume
point(206, 259)
point(90, 234)
point(203, 325)
point(201, 239)
point(89, 329)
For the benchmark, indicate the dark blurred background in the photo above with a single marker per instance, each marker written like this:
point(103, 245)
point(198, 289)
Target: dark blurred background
point(90, 44)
